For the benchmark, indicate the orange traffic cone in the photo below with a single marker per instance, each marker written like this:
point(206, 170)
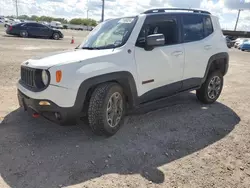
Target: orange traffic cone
point(72, 40)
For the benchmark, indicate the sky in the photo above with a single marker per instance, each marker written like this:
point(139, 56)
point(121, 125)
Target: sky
point(226, 10)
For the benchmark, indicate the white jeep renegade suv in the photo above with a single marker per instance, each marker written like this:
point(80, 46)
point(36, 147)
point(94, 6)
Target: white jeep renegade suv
point(126, 62)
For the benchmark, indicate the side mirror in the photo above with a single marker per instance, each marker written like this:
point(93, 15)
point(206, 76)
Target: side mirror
point(155, 40)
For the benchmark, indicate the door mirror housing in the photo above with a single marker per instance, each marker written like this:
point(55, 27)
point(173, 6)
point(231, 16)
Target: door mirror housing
point(154, 41)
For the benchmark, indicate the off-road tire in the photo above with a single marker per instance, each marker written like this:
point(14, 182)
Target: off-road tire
point(202, 93)
point(98, 107)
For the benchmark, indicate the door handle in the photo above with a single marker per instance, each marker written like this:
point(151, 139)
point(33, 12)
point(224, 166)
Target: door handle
point(177, 53)
point(208, 47)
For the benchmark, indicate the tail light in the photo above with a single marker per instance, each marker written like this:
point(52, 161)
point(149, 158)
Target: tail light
point(10, 28)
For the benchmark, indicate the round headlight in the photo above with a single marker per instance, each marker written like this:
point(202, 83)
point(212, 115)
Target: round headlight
point(45, 77)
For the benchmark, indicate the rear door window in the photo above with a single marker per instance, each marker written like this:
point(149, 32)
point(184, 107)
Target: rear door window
point(193, 28)
point(33, 25)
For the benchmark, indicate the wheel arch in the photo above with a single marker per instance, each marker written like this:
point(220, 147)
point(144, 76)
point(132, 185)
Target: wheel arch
point(21, 30)
point(124, 78)
point(219, 61)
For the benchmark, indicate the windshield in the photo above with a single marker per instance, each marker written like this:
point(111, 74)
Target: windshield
point(110, 34)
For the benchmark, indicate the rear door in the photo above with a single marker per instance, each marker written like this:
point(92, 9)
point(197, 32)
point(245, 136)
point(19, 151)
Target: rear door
point(199, 46)
point(33, 29)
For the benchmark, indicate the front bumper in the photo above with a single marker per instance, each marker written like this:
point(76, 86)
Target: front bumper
point(60, 115)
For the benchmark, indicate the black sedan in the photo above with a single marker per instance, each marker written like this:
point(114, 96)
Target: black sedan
point(30, 29)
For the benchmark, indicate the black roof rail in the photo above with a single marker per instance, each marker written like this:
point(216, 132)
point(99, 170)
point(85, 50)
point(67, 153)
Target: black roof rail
point(157, 10)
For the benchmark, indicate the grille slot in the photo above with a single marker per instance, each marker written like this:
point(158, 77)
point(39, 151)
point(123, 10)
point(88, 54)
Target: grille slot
point(28, 76)
point(31, 78)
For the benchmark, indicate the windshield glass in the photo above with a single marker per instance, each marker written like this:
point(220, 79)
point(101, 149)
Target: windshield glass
point(110, 34)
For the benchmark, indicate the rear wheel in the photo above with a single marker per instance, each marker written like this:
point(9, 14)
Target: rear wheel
point(56, 36)
point(211, 88)
point(242, 50)
point(106, 109)
point(24, 34)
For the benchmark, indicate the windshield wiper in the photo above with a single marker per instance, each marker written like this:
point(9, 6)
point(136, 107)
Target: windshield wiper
point(90, 48)
point(99, 47)
point(109, 46)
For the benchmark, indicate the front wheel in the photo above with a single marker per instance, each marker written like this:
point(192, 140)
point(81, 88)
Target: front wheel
point(211, 88)
point(56, 36)
point(106, 109)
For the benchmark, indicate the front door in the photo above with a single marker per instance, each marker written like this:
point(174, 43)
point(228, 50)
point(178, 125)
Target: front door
point(33, 29)
point(160, 70)
point(45, 31)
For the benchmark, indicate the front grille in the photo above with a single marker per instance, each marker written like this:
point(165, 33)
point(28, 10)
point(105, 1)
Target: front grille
point(32, 78)
point(28, 76)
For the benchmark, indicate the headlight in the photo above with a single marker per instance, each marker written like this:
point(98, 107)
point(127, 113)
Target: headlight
point(45, 77)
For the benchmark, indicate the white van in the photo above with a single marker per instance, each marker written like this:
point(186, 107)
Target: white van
point(56, 24)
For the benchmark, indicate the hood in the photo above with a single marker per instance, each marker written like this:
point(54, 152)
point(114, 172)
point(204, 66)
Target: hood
point(64, 57)
point(54, 29)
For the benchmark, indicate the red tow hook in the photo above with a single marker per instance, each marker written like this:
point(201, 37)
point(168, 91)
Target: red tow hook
point(35, 115)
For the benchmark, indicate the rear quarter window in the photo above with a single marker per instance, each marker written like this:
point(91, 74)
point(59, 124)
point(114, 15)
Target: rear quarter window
point(208, 26)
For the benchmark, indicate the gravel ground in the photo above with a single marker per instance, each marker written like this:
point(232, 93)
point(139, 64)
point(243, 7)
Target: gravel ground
point(177, 142)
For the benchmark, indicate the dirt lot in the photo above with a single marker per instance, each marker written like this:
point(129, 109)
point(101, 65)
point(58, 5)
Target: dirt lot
point(182, 144)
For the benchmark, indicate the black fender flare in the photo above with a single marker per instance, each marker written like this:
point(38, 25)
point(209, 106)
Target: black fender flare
point(217, 57)
point(124, 78)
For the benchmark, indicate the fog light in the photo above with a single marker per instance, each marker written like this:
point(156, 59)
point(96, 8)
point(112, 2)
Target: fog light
point(44, 103)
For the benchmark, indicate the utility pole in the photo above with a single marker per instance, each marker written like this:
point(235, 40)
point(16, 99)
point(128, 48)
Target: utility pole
point(237, 19)
point(87, 9)
point(88, 14)
point(16, 9)
point(103, 4)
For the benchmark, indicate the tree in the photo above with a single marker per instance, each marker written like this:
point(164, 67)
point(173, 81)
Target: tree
point(10, 16)
point(23, 17)
point(83, 21)
point(76, 21)
point(34, 18)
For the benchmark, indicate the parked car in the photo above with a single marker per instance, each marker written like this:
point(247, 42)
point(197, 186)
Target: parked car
point(239, 42)
point(236, 41)
point(245, 46)
point(56, 25)
point(230, 44)
point(32, 29)
point(45, 23)
point(242, 42)
point(3, 21)
point(113, 72)
point(11, 21)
